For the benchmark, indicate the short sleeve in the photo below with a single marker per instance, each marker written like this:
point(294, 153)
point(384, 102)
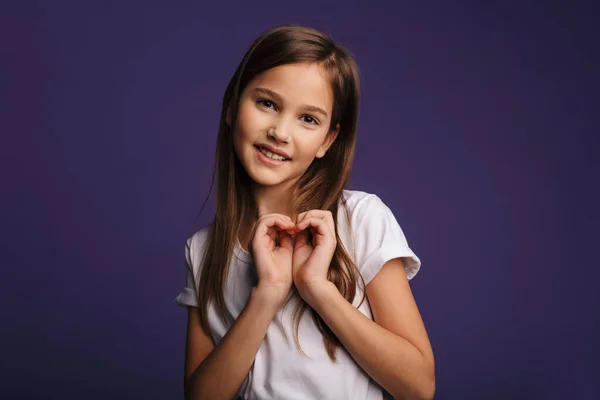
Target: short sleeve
point(379, 238)
point(189, 295)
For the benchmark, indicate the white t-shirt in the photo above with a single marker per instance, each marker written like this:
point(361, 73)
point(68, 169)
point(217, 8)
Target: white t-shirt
point(279, 370)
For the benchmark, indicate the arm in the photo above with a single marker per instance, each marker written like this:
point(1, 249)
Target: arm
point(218, 372)
point(394, 350)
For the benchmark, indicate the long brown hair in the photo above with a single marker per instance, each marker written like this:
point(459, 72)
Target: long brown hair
point(320, 187)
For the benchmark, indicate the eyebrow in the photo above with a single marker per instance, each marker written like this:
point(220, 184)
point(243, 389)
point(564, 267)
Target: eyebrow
point(277, 97)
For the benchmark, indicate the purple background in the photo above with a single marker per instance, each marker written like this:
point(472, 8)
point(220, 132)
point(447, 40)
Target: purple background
point(477, 127)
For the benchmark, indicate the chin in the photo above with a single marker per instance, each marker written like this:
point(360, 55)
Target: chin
point(263, 179)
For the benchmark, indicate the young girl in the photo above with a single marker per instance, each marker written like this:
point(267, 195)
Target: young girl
point(299, 288)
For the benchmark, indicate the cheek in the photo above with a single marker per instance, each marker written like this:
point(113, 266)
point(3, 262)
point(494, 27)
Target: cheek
point(243, 130)
point(310, 144)
point(250, 122)
point(237, 144)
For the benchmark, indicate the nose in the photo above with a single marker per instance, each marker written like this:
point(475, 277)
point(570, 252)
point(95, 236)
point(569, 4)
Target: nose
point(279, 132)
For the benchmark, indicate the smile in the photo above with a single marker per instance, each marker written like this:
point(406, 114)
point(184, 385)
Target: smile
point(269, 159)
point(273, 156)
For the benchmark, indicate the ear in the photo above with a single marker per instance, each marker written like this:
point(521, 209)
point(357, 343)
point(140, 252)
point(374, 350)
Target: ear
point(228, 117)
point(329, 139)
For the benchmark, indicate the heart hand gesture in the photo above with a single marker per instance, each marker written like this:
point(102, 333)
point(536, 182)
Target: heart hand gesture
point(279, 262)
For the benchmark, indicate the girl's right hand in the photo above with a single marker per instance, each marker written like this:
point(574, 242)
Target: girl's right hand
point(271, 247)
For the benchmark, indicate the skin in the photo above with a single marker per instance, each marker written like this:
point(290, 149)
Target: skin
point(300, 131)
point(394, 348)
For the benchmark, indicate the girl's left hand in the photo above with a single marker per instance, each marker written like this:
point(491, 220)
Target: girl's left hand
point(310, 261)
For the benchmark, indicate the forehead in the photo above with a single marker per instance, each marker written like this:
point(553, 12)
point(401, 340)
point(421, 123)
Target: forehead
point(302, 84)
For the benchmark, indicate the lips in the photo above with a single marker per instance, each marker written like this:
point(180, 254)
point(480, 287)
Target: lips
point(274, 150)
point(267, 155)
point(268, 161)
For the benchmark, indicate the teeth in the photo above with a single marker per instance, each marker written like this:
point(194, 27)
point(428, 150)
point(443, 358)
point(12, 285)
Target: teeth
point(271, 155)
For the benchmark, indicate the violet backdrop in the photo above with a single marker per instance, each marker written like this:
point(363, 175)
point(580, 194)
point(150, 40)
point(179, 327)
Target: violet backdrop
point(477, 127)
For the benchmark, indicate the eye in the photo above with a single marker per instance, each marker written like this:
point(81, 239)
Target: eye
point(310, 120)
point(266, 103)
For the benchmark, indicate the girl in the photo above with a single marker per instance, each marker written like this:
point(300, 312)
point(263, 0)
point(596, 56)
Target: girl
point(291, 253)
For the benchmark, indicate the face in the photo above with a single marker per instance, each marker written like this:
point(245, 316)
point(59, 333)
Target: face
point(283, 123)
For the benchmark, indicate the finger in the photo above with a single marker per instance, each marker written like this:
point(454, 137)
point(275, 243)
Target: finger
point(316, 213)
point(275, 221)
point(289, 228)
point(323, 214)
point(302, 238)
point(316, 222)
point(272, 233)
point(319, 225)
point(270, 225)
point(285, 240)
point(328, 216)
point(301, 218)
point(277, 215)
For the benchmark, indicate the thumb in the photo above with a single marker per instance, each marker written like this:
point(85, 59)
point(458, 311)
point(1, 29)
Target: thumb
point(302, 238)
point(285, 240)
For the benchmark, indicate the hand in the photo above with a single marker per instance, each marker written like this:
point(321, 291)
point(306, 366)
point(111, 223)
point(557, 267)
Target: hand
point(271, 247)
point(311, 260)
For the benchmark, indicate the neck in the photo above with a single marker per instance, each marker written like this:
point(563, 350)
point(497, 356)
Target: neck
point(269, 199)
point(274, 199)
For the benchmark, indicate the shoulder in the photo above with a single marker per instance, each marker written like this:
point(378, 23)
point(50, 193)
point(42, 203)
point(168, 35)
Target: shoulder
point(354, 197)
point(361, 205)
point(376, 234)
point(200, 237)
point(195, 247)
